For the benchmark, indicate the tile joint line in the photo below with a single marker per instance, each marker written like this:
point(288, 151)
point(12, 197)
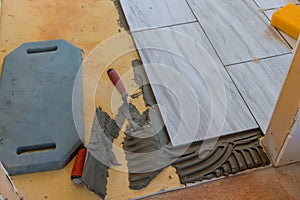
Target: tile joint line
point(263, 58)
point(224, 66)
point(160, 27)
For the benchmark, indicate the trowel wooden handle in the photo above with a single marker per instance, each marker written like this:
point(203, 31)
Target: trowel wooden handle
point(115, 79)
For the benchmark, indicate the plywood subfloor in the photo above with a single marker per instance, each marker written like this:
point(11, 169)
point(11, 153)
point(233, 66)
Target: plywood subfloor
point(85, 23)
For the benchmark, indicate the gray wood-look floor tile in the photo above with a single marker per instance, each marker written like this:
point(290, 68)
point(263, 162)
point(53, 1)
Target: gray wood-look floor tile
point(267, 4)
point(292, 42)
point(146, 14)
point(192, 77)
point(260, 85)
point(237, 30)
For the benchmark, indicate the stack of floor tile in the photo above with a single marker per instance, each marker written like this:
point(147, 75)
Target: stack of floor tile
point(198, 56)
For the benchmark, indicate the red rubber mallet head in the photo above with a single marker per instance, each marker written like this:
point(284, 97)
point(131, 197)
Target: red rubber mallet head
point(78, 166)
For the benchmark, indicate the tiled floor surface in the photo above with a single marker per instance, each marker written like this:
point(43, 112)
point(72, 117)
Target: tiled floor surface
point(220, 51)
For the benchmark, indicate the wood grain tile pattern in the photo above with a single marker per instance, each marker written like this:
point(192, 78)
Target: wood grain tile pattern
point(237, 118)
point(146, 14)
point(237, 30)
point(267, 4)
point(260, 85)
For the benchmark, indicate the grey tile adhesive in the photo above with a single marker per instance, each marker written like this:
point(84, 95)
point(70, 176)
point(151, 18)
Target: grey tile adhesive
point(37, 130)
point(151, 139)
point(145, 150)
point(100, 155)
point(231, 154)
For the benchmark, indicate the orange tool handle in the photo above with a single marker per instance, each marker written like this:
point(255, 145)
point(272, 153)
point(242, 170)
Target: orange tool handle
point(115, 79)
point(79, 164)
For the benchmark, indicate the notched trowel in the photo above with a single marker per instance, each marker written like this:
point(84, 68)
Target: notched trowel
point(99, 153)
